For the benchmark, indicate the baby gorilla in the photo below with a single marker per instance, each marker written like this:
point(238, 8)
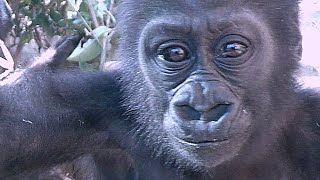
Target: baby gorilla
point(210, 93)
point(206, 91)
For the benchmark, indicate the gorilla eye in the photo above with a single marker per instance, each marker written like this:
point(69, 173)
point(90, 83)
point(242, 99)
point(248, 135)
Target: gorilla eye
point(173, 53)
point(233, 50)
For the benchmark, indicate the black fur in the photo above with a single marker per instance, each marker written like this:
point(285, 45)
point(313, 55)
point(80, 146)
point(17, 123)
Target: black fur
point(5, 19)
point(282, 139)
point(48, 114)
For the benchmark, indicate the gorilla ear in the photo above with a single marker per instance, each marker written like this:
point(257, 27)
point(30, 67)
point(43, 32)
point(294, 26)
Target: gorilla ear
point(5, 19)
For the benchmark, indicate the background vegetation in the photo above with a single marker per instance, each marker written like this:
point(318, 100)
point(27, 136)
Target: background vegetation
point(39, 21)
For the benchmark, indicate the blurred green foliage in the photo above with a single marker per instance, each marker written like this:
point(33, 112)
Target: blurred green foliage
point(39, 19)
point(55, 17)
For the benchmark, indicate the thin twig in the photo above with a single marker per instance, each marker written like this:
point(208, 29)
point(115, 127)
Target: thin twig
point(92, 14)
point(110, 17)
point(106, 49)
point(80, 16)
point(85, 22)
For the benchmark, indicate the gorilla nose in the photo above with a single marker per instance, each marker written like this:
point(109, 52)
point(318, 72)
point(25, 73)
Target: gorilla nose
point(196, 101)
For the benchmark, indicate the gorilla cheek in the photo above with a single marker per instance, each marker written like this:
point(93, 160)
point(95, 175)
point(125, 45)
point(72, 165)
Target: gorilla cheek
point(201, 118)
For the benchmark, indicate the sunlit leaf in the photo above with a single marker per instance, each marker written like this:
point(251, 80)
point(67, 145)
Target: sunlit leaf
point(92, 48)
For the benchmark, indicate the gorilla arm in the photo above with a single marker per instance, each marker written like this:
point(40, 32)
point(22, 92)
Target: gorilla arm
point(47, 114)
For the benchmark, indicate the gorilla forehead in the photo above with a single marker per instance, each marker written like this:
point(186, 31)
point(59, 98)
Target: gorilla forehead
point(278, 14)
point(198, 6)
point(143, 11)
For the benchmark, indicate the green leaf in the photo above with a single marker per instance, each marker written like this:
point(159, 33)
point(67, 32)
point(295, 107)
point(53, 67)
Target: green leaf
point(25, 37)
point(55, 15)
point(36, 2)
point(62, 23)
point(83, 8)
point(42, 19)
point(92, 48)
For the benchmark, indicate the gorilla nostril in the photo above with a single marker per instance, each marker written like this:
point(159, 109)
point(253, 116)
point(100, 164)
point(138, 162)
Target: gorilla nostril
point(215, 113)
point(188, 113)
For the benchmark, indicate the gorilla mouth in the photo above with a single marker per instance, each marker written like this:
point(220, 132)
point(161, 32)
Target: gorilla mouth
point(204, 127)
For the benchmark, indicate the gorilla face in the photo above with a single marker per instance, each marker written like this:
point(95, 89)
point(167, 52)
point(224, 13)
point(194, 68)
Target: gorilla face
point(204, 71)
point(200, 63)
